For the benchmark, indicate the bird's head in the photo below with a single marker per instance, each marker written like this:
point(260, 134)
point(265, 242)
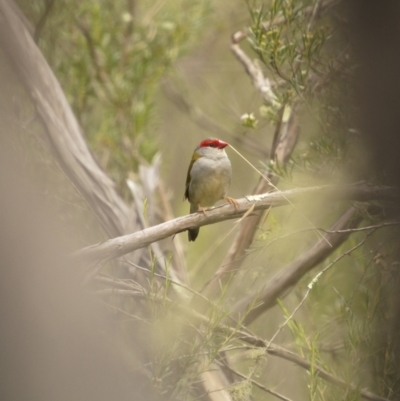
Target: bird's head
point(211, 147)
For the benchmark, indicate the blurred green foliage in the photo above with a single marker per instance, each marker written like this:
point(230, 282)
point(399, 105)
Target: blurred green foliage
point(110, 57)
point(307, 59)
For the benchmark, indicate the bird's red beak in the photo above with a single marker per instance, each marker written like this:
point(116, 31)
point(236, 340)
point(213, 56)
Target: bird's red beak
point(222, 144)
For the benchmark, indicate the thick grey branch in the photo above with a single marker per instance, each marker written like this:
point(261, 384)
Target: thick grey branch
point(119, 246)
point(62, 131)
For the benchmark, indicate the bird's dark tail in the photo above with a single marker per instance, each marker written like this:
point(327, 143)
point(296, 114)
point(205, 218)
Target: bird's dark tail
point(193, 233)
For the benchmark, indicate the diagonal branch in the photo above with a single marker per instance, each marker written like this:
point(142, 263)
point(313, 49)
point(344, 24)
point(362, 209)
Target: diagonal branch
point(257, 384)
point(254, 341)
point(42, 21)
point(276, 350)
point(119, 246)
point(260, 82)
point(294, 271)
point(63, 134)
point(284, 142)
point(285, 139)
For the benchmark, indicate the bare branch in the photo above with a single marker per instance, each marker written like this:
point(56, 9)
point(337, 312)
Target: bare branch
point(42, 21)
point(322, 230)
point(261, 83)
point(292, 273)
point(285, 139)
point(283, 353)
point(316, 278)
point(124, 284)
point(177, 246)
point(122, 245)
point(63, 134)
point(284, 142)
point(257, 384)
point(255, 341)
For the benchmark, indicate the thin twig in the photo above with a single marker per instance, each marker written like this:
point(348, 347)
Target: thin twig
point(280, 352)
point(271, 349)
point(284, 142)
point(167, 214)
point(322, 230)
point(101, 74)
point(255, 383)
point(179, 284)
point(124, 284)
point(204, 121)
point(42, 21)
point(285, 139)
point(316, 278)
point(310, 10)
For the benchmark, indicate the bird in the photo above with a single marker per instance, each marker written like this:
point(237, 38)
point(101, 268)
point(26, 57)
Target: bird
point(208, 178)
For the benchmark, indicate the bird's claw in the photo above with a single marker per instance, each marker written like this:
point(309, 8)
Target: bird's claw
point(202, 209)
point(232, 202)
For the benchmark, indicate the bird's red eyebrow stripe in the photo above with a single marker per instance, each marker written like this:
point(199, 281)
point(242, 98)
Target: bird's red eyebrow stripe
point(208, 142)
point(216, 142)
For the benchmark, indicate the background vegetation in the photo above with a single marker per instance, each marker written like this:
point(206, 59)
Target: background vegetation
point(149, 80)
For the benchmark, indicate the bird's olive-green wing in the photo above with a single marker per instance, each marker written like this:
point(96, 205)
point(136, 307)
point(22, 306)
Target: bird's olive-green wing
point(195, 157)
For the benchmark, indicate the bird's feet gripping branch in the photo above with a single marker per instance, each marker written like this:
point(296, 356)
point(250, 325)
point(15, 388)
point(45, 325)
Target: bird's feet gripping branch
point(232, 202)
